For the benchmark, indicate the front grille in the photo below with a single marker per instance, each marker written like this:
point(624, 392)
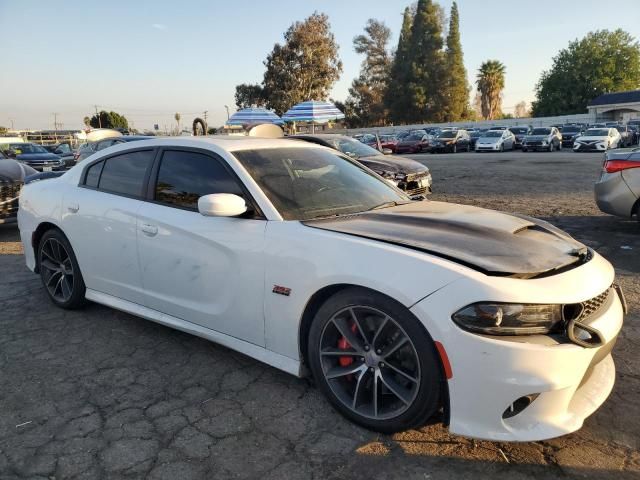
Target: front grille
point(591, 307)
point(9, 193)
point(411, 184)
point(533, 143)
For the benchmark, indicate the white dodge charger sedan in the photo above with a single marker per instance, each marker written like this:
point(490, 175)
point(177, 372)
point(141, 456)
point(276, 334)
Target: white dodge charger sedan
point(304, 259)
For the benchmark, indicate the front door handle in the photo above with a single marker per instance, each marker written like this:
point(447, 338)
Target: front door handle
point(73, 207)
point(150, 230)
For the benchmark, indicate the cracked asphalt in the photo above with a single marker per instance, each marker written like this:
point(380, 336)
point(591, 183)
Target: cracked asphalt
point(98, 393)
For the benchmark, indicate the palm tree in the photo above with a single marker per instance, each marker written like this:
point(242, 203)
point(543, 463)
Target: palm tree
point(177, 117)
point(490, 81)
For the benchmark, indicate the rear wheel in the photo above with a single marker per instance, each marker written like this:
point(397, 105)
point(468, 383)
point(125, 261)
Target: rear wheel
point(59, 271)
point(374, 361)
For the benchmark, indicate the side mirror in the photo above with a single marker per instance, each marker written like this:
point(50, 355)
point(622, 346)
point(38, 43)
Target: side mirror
point(387, 151)
point(221, 205)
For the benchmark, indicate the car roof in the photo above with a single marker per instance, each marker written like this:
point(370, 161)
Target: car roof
point(229, 143)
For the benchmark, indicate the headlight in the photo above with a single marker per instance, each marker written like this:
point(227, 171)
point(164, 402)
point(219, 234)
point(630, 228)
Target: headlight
point(508, 319)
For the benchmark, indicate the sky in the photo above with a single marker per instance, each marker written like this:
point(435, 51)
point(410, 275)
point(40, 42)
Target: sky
point(148, 59)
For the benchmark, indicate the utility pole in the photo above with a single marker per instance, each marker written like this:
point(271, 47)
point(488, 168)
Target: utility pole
point(227, 108)
point(55, 121)
point(11, 120)
point(205, 118)
point(97, 115)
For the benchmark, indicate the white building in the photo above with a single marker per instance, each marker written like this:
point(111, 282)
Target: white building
point(619, 106)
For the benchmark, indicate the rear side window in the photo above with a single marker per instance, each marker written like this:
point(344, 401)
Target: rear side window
point(125, 174)
point(184, 177)
point(93, 175)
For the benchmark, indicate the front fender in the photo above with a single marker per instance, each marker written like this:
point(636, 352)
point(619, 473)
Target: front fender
point(306, 260)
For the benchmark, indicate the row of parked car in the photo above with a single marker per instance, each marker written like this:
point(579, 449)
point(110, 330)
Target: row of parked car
point(579, 137)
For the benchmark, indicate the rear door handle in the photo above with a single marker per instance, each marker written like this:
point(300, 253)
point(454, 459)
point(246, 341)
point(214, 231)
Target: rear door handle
point(73, 207)
point(150, 230)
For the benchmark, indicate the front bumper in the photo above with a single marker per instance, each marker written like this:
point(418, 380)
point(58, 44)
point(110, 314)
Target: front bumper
point(494, 147)
point(446, 147)
point(535, 146)
point(490, 373)
point(590, 147)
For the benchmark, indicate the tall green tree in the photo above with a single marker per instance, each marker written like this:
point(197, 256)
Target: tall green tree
point(305, 67)
point(426, 76)
point(366, 95)
point(109, 120)
point(456, 88)
point(249, 95)
point(490, 82)
point(601, 62)
point(397, 96)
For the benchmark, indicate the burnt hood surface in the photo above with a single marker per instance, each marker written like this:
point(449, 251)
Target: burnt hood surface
point(393, 164)
point(492, 242)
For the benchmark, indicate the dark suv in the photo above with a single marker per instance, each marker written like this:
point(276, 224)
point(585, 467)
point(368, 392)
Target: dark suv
point(451, 141)
point(570, 133)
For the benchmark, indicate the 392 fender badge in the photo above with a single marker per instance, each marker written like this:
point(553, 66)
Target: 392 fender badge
point(280, 290)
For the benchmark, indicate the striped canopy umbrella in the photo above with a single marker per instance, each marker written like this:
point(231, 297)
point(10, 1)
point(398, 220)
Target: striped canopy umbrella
point(314, 112)
point(248, 117)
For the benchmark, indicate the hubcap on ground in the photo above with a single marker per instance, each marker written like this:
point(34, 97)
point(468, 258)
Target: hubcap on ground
point(369, 362)
point(57, 270)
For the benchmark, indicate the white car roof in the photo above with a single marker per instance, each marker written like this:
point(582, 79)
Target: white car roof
point(230, 143)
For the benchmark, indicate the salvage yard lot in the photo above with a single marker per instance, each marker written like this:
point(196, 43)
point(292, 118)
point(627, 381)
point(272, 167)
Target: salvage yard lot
point(101, 394)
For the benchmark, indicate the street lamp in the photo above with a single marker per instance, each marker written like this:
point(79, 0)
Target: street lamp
point(227, 107)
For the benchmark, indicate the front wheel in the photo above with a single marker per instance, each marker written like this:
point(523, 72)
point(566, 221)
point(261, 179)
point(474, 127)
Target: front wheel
point(374, 361)
point(59, 271)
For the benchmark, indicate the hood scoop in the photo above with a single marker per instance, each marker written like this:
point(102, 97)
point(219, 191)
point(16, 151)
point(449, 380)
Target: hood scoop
point(492, 242)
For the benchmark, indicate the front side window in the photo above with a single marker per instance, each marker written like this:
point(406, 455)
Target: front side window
point(306, 183)
point(184, 177)
point(125, 174)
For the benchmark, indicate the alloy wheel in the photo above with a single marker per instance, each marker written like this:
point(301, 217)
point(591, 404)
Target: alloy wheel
point(369, 362)
point(57, 270)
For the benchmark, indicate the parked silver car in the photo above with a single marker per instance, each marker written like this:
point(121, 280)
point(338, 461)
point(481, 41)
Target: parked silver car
point(543, 138)
point(495, 141)
point(617, 191)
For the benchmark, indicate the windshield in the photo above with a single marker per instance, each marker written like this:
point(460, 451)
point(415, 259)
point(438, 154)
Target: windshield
point(519, 130)
point(25, 148)
point(475, 134)
point(570, 129)
point(306, 183)
point(352, 147)
point(448, 134)
point(597, 132)
point(541, 131)
point(415, 137)
point(492, 133)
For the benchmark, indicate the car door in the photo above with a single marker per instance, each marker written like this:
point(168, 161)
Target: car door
point(100, 220)
point(202, 269)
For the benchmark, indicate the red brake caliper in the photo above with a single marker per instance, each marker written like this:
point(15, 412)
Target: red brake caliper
point(343, 344)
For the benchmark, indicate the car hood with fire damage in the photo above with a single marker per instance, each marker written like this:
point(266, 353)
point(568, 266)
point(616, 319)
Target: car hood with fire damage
point(492, 242)
point(393, 164)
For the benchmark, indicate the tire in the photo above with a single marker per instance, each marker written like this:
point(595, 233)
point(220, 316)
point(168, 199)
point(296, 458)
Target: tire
point(359, 376)
point(524, 150)
point(59, 271)
point(502, 148)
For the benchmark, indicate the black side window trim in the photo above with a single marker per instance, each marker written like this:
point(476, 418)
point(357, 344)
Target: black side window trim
point(253, 211)
point(145, 181)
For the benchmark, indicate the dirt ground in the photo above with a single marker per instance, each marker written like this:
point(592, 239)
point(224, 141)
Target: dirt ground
point(101, 394)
